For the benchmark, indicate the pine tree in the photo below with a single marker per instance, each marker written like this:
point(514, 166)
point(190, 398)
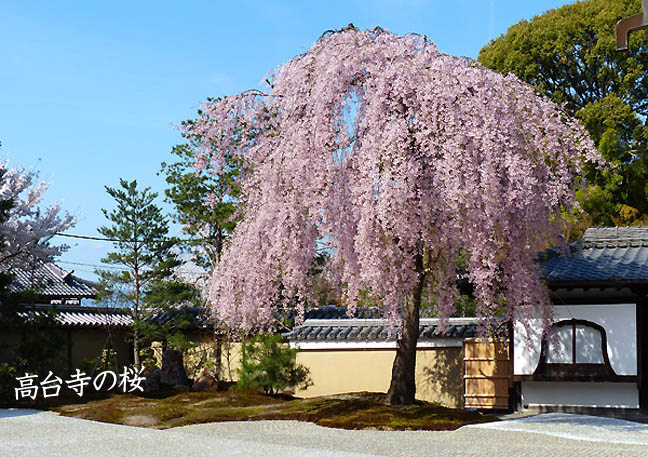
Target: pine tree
point(143, 249)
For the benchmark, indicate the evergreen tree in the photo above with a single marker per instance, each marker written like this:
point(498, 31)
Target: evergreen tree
point(174, 304)
point(142, 247)
point(204, 199)
point(569, 54)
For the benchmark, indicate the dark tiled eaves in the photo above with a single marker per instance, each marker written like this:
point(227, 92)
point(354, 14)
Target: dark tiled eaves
point(81, 316)
point(51, 281)
point(198, 318)
point(598, 264)
point(603, 256)
point(340, 312)
point(376, 330)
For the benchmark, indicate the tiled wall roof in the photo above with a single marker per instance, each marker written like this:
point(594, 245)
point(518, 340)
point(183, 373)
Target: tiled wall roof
point(376, 330)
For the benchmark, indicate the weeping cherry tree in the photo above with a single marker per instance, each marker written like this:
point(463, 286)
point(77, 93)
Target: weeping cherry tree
point(402, 163)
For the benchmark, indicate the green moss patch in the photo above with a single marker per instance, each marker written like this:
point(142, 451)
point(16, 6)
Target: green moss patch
point(351, 411)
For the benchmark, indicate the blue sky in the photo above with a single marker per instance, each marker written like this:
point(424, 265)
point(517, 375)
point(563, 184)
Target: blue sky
point(90, 91)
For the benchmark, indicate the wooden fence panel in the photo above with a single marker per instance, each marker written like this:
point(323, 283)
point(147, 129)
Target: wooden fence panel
point(487, 374)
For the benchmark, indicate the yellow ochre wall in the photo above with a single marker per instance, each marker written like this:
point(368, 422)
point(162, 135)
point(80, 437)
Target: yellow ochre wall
point(439, 372)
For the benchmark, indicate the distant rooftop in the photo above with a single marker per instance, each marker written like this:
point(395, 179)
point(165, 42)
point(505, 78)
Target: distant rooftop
point(603, 254)
point(194, 317)
point(83, 316)
point(53, 283)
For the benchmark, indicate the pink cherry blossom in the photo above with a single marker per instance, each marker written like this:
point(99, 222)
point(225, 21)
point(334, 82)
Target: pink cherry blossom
point(382, 150)
point(26, 231)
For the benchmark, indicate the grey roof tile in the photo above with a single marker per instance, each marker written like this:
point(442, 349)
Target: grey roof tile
point(343, 333)
point(603, 254)
point(376, 330)
point(52, 281)
point(364, 334)
point(325, 332)
point(375, 333)
point(353, 334)
point(83, 316)
point(315, 332)
point(428, 332)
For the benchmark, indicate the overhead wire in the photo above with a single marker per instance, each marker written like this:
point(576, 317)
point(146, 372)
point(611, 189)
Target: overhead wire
point(117, 240)
point(188, 272)
point(114, 240)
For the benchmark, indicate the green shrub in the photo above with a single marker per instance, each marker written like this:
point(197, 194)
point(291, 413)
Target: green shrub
point(7, 381)
point(104, 361)
point(268, 363)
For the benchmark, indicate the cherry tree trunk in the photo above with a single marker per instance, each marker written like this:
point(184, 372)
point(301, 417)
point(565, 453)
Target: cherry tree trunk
point(402, 389)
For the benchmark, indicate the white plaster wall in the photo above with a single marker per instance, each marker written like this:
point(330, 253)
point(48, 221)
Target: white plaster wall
point(526, 348)
point(599, 394)
point(619, 322)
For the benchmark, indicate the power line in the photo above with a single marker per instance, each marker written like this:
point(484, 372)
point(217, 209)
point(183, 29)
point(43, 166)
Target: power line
point(92, 265)
point(93, 238)
point(117, 240)
point(187, 272)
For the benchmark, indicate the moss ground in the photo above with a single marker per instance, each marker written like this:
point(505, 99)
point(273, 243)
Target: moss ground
point(356, 411)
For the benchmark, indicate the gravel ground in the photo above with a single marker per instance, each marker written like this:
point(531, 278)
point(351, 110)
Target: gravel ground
point(34, 433)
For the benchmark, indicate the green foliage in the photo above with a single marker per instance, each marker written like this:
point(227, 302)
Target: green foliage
point(205, 202)
point(466, 306)
point(173, 305)
point(173, 293)
point(39, 348)
point(7, 380)
point(323, 289)
point(271, 365)
point(143, 249)
point(147, 360)
point(103, 361)
point(570, 55)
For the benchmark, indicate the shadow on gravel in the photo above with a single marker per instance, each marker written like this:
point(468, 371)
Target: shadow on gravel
point(5, 413)
point(574, 419)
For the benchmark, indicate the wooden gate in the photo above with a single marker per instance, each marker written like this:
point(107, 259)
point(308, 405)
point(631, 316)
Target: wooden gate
point(487, 374)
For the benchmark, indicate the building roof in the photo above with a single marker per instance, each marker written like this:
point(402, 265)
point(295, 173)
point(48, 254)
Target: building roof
point(189, 317)
point(376, 330)
point(603, 254)
point(52, 282)
point(340, 312)
point(83, 316)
